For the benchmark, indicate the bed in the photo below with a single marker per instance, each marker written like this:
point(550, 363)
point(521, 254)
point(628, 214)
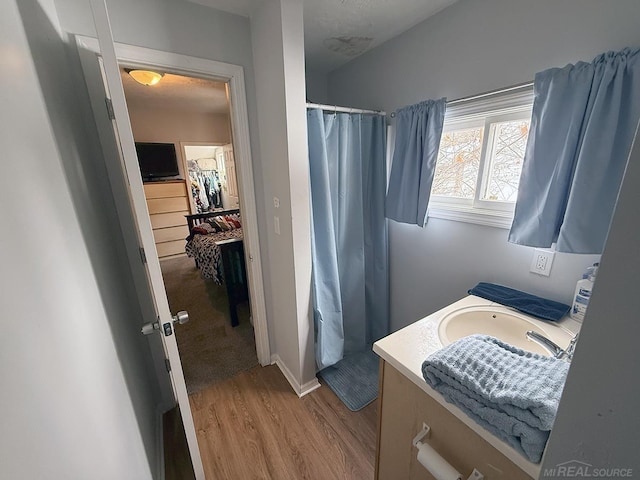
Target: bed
point(215, 242)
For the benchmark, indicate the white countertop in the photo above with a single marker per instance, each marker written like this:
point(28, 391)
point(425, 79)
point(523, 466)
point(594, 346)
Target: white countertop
point(407, 348)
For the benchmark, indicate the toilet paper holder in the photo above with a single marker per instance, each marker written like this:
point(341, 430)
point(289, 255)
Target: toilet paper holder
point(424, 433)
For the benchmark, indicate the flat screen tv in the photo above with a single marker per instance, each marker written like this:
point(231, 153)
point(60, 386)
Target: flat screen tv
point(157, 160)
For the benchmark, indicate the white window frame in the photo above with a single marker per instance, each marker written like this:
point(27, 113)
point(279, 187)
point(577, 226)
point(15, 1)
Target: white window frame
point(483, 111)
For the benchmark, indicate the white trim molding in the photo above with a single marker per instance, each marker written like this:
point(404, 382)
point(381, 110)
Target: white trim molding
point(469, 214)
point(500, 102)
point(300, 389)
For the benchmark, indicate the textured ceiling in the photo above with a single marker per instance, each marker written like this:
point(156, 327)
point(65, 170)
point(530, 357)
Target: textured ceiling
point(336, 31)
point(176, 92)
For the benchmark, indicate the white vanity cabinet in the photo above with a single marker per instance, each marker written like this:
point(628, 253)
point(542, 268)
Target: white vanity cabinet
point(403, 408)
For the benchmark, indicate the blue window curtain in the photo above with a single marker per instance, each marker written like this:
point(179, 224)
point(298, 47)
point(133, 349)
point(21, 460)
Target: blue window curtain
point(418, 133)
point(349, 232)
point(583, 123)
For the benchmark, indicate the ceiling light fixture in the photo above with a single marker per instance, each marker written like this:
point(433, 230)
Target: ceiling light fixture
point(145, 77)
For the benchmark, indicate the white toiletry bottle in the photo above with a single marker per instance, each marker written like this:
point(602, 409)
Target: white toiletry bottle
point(583, 294)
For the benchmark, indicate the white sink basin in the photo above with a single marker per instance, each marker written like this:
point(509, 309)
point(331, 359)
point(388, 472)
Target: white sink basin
point(509, 326)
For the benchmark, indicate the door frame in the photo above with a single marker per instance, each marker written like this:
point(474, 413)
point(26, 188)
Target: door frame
point(233, 75)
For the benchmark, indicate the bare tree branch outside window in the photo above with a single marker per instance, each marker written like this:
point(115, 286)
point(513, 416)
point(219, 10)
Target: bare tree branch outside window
point(509, 143)
point(458, 163)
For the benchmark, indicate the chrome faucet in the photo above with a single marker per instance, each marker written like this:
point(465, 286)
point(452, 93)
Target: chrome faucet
point(556, 350)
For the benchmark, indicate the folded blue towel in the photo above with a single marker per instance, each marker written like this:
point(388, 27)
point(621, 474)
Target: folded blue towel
point(525, 302)
point(512, 393)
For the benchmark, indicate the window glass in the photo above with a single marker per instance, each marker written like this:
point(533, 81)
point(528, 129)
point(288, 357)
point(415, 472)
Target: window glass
point(480, 159)
point(508, 142)
point(458, 163)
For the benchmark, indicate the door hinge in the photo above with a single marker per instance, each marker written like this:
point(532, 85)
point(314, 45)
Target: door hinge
point(143, 255)
point(167, 364)
point(110, 112)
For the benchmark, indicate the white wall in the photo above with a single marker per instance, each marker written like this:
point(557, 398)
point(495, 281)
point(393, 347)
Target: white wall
point(603, 431)
point(296, 121)
point(186, 28)
point(317, 86)
point(79, 394)
point(279, 68)
point(469, 48)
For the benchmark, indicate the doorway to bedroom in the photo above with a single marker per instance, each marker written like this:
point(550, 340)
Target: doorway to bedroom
point(196, 219)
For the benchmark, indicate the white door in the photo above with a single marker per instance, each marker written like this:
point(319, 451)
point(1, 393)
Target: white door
point(230, 175)
point(118, 144)
point(230, 169)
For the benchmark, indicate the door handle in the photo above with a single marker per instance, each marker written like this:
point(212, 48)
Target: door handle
point(181, 317)
point(150, 327)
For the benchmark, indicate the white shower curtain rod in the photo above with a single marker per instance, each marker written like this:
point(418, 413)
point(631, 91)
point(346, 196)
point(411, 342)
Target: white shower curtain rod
point(334, 108)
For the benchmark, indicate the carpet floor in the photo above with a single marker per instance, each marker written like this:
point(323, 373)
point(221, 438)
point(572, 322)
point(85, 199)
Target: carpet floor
point(211, 350)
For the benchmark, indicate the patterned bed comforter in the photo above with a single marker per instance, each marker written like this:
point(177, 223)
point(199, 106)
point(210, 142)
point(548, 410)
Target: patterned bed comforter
point(207, 254)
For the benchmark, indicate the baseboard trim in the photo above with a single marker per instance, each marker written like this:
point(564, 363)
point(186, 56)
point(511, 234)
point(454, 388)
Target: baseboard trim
point(301, 390)
point(309, 387)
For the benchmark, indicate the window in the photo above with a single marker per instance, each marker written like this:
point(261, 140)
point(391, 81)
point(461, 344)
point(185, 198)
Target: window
point(480, 159)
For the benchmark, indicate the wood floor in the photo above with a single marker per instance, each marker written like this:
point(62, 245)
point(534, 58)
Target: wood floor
point(255, 427)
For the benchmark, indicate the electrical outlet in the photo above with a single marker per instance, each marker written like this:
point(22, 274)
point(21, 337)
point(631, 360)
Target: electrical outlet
point(541, 262)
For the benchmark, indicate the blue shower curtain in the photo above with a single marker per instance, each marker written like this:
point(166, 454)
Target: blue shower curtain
point(349, 232)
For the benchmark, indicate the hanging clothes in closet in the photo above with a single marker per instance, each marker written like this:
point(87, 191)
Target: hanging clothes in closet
point(212, 188)
point(205, 187)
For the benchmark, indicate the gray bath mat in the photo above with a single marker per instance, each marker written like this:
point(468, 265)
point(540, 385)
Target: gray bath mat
point(354, 379)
